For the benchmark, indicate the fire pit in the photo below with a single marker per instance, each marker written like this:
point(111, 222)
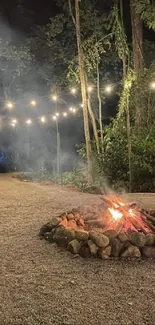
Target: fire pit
point(113, 228)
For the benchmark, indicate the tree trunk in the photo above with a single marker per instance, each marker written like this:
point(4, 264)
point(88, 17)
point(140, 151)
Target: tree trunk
point(124, 59)
point(99, 101)
point(124, 68)
point(129, 143)
point(137, 43)
point(137, 38)
point(93, 122)
point(83, 91)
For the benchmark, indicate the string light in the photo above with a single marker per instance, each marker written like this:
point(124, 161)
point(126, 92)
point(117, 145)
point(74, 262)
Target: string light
point(152, 84)
point(42, 119)
point(33, 103)
point(108, 89)
point(14, 121)
point(55, 98)
point(73, 91)
point(29, 121)
point(9, 105)
point(90, 88)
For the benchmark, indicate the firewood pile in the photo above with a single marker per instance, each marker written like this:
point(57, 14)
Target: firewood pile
point(113, 228)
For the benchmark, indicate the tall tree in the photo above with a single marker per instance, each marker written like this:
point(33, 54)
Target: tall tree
point(137, 37)
point(83, 90)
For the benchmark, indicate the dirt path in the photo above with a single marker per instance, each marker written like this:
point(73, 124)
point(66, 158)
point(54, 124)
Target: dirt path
point(43, 285)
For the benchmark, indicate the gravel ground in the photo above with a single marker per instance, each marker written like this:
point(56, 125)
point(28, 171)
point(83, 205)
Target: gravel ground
point(42, 285)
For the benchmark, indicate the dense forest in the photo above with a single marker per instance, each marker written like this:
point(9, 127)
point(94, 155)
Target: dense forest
point(88, 45)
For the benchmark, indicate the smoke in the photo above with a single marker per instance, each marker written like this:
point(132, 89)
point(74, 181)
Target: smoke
point(31, 147)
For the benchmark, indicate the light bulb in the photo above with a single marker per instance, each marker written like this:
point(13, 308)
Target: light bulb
point(73, 91)
point(152, 84)
point(9, 105)
point(90, 88)
point(55, 98)
point(14, 121)
point(28, 121)
point(33, 103)
point(108, 89)
point(42, 119)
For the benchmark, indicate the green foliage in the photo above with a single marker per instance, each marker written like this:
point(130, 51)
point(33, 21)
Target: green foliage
point(142, 99)
point(94, 48)
point(128, 85)
point(15, 61)
point(146, 9)
point(116, 26)
point(111, 165)
point(77, 177)
point(143, 161)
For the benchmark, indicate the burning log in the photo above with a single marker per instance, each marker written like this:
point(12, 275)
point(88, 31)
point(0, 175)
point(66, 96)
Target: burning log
point(149, 217)
point(118, 204)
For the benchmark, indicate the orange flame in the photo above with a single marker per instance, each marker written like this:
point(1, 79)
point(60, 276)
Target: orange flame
point(116, 215)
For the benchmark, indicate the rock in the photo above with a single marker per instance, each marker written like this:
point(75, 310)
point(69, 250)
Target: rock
point(104, 253)
point(131, 251)
point(69, 233)
point(47, 236)
point(70, 216)
point(149, 239)
point(93, 248)
point(99, 239)
point(84, 250)
point(123, 237)
point(72, 224)
point(60, 240)
point(137, 238)
point(59, 231)
point(74, 246)
point(45, 228)
point(81, 235)
point(126, 244)
point(116, 247)
point(148, 252)
point(80, 222)
point(55, 221)
point(63, 215)
point(59, 237)
point(111, 233)
point(64, 222)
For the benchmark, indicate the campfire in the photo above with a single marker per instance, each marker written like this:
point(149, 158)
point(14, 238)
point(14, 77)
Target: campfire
point(114, 228)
